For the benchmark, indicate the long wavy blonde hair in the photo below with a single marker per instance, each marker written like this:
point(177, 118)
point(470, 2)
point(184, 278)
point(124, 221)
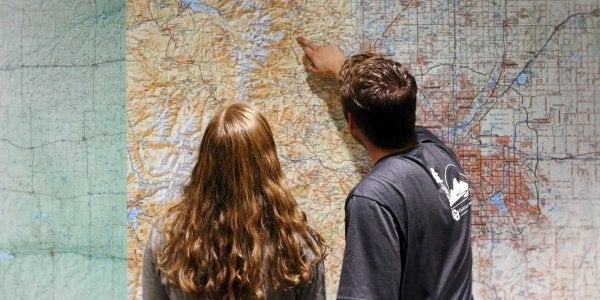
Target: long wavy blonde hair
point(237, 231)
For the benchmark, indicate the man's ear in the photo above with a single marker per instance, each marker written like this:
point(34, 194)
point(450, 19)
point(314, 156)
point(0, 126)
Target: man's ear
point(354, 130)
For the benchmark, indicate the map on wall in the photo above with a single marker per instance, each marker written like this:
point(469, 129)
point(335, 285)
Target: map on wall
point(511, 86)
point(62, 150)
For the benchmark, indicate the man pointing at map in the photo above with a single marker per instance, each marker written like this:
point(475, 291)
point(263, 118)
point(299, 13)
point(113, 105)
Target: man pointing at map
point(408, 220)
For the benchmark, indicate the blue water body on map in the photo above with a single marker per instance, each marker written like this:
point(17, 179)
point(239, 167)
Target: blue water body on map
point(490, 84)
point(523, 79)
point(42, 216)
point(132, 215)
point(198, 6)
point(576, 56)
point(6, 256)
point(498, 200)
point(596, 50)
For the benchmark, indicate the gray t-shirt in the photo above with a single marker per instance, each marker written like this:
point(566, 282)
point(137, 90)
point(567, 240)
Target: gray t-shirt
point(408, 228)
point(154, 288)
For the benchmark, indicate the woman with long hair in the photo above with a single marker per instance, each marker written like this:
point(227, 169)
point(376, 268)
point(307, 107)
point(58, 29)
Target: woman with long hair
point(237, 232)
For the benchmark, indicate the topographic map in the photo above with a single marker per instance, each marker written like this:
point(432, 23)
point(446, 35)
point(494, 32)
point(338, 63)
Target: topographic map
point(62, 150)
point(511, 86)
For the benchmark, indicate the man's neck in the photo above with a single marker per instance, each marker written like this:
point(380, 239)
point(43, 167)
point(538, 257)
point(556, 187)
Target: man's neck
point(376, 153)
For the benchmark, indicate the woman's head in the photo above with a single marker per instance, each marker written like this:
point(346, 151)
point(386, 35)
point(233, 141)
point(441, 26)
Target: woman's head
point(237, 229)
point(237, 155)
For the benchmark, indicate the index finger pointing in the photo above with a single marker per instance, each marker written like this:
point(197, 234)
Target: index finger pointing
point(306, 43)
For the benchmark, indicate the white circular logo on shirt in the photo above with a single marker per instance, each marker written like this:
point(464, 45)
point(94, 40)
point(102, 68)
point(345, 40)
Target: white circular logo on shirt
point(455, 214)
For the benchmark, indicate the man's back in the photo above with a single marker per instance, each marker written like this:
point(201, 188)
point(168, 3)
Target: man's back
point(408, 228)
point(408, 220)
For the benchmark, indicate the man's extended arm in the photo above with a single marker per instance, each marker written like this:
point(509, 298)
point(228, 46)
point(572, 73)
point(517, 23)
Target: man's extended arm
point(325, 61)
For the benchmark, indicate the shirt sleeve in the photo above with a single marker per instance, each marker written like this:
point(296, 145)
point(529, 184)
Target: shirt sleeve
point(372, 264)
point(152, 287)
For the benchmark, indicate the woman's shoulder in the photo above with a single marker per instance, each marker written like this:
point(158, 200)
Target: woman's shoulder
point(156, 236)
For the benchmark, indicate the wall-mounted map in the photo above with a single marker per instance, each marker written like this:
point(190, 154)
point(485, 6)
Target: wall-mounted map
point(511, 86)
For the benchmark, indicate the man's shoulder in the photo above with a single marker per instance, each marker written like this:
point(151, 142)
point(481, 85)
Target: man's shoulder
point(385, 183)
point(384, 174)
point(429, 140)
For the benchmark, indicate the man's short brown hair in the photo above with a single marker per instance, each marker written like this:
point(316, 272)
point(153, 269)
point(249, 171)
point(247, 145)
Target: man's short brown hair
point(381, 95)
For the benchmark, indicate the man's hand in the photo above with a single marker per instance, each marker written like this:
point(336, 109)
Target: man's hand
point(325, 61)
